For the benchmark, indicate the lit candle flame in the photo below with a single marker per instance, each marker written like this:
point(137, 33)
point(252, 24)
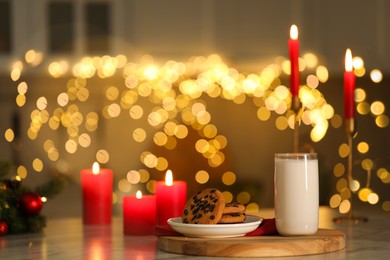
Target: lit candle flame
point(138, 195)
point(348, 60)
point(95, 168)
point(294, 32)
point(169, 178)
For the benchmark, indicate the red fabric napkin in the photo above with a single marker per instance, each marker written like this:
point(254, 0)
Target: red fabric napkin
point(266, 227)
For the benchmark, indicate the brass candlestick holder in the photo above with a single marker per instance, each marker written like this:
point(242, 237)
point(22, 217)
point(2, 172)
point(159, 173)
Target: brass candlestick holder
point(296, 107)
point(349, 127)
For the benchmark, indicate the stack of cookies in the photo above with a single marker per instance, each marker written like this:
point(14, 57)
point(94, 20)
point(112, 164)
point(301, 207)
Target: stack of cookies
point(233, 213)
point(208, 207)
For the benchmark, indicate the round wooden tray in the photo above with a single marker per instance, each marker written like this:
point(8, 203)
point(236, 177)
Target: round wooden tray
point(324, 241)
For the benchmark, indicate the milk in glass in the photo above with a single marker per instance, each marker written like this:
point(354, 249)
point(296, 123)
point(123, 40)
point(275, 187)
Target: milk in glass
point(296, 193)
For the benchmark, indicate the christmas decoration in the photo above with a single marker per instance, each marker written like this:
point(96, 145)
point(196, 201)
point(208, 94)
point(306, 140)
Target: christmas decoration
point(20, 206)
point(3, 228)
point(31, 203)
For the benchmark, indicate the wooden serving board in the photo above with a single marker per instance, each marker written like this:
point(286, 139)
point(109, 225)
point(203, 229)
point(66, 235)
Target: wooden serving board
point(324, 241)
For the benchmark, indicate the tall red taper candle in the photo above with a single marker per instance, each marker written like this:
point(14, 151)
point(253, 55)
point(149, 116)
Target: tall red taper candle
point(96, 186)
point(349, 87)
point(171, 197)
point(293, 46)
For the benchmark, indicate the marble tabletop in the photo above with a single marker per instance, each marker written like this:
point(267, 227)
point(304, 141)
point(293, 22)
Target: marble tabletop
point(68, 238)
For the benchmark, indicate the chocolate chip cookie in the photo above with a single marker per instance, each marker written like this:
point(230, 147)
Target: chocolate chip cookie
point(232, 218)
point(205, 207)
point(233, 207)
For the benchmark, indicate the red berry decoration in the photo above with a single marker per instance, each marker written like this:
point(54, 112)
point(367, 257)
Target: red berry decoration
point(31, 203)
point(3, 228)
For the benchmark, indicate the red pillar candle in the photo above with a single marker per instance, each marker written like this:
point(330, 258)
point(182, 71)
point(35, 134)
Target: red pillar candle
point(139, 214)
point(171, 197)
point(349, 87)
point(96, 186)
point(293, 46)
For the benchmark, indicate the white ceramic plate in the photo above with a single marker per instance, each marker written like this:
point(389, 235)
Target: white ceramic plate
point(215, 230)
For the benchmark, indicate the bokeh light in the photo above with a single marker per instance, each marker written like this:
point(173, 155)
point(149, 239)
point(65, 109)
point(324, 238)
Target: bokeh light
point(376, 75)
point(377, 108)
point(335, 201)
point(228, 196)
point(243, 197)
point(363, 147)
point(37, 165)
point(229, 178)
point(344, 150)
point(202, 177)
point(175, 106)
point(338, 170)
point(9, 135)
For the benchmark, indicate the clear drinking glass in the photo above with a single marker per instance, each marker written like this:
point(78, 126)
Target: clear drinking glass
point(296, 193)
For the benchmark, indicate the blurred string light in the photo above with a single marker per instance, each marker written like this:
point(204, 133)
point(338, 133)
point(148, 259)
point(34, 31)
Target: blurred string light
point(175, 89)
point(363, 189)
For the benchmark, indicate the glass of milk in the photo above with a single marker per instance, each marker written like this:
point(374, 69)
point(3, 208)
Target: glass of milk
point(296, 193)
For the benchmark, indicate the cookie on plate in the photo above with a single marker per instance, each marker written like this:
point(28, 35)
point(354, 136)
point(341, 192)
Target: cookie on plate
point(205, 207)
point(233, 207)
point(232, 218)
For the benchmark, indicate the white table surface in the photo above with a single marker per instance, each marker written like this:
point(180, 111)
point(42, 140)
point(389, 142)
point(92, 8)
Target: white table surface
point(68, 238)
